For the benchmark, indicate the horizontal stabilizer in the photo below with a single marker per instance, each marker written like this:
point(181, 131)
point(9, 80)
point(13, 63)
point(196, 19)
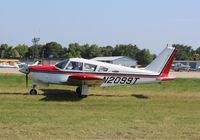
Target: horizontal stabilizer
point(166, 78)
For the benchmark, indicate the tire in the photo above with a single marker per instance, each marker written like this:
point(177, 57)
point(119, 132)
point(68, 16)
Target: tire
point(33, 92)
point(78, 91)
point(84, 96)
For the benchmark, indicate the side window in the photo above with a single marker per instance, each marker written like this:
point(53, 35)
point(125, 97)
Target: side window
point(62, 64)
point(74, 66)
point(102, 69)
point(89, 67)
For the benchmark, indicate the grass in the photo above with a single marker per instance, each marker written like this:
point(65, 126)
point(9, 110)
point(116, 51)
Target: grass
point(156, 111)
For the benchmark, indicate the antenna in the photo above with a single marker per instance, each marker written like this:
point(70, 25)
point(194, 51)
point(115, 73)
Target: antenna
point(35, 41)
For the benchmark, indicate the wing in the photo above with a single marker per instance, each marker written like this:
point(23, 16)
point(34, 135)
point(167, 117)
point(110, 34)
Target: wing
point(88, 79)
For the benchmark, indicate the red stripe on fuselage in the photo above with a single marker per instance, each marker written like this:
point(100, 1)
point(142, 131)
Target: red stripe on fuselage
point(42, 68)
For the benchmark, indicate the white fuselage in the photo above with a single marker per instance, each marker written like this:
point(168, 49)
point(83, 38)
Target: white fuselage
point(114, 74)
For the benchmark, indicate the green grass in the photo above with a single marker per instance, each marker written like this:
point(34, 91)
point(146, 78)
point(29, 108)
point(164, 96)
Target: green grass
point(169, 110)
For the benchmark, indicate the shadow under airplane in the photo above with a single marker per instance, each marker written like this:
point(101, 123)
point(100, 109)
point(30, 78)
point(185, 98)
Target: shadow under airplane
point(140, 96)
point(59, 95)
point(68, 95)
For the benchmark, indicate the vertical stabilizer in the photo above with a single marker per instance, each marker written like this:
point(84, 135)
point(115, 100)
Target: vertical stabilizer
point(163, 62)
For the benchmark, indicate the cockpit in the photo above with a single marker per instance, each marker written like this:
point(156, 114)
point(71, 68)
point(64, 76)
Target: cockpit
point(76, 65)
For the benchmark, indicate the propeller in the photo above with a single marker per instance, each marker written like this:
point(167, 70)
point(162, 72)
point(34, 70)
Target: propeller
point(25, 70)
point(27, 80)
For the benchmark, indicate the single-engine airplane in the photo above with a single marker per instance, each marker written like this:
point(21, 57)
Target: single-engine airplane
point(84, 73)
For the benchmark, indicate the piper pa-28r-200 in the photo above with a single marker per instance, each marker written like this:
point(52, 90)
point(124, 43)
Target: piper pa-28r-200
point(84, 73)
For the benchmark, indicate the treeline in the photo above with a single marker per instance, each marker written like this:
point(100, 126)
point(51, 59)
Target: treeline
point(56, 50)
point(185, 52)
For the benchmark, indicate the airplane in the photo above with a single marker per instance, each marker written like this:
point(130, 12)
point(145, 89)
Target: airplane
point(85, 73)
point(180, 67)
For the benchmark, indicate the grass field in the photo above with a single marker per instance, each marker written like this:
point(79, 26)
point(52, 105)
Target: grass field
point(156, 111)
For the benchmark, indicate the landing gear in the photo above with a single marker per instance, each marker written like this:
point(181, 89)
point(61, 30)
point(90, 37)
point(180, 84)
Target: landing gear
point(33, 91)
point(82, 91)
point(78, 91)
point(83, 96)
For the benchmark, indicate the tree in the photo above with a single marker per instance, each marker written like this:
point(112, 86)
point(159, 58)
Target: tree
point(197, 50)
point(184, 52)
point(35, 51)
point(5, 51)
point(15, 53)
point(52, 50)
point(144, 57)
point(22, 50)
point(93, 51)
point(106, 51)
point(84, 51)
point(74, 50)
point(126, 50)
point(196, 54)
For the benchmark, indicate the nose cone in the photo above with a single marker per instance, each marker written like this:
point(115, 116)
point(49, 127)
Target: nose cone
point(24, 70)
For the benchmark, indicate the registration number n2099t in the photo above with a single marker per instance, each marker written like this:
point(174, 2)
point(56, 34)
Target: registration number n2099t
point(120, 80)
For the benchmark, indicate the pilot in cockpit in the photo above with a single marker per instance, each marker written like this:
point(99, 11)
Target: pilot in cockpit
point(76, 66)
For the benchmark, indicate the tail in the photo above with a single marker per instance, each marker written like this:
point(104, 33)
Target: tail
point(162, 63)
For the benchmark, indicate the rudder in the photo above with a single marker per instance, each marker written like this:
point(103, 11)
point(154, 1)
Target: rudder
point(163, 62)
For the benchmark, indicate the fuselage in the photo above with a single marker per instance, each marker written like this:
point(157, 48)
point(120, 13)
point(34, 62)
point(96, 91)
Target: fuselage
point(109, 74)
point(84, 73)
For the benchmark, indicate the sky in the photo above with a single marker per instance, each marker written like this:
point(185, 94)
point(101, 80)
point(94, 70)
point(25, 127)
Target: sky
point(150, 24)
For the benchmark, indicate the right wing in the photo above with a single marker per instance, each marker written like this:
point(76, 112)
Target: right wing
point(88, 79)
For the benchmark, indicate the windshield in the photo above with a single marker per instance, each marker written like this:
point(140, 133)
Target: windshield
point(62, 64)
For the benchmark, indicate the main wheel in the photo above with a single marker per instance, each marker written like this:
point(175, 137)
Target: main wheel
point(83, 96)
point(33, 92)
point(78, 92)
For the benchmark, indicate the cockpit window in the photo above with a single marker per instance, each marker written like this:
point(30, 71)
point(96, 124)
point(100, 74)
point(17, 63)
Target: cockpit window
point(89, 67)
point(62, 64)
point(102, 69)
point(75, 66)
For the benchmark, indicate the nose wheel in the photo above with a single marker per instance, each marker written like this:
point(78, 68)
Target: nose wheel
point(33, 91)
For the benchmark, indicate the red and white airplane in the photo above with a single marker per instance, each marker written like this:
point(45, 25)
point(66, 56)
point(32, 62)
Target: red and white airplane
point(84, 73)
